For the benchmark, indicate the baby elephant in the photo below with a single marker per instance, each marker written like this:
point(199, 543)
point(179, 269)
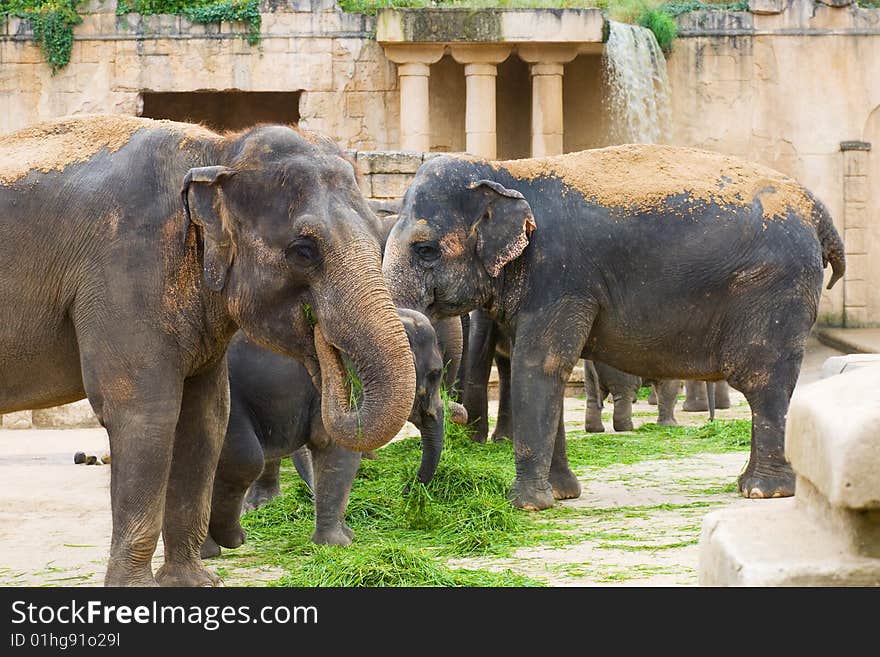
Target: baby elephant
point(275, 411)
point(601, 379)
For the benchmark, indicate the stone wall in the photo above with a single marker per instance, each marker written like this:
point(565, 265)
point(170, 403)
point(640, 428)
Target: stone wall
point(349, 88)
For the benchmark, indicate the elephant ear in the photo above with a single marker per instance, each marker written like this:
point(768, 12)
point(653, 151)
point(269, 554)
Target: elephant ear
point(503, 229)
point(203, 203)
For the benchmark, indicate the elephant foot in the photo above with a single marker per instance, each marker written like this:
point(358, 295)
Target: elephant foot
point(257, 497)
point(186, 574)
point(667, 422)
point(532, 495)
point(501, 434)
point(624, 425)
point(695, 405)
point(565, 485)
point(594, 428)
point(229, 537)
point(210, 548)
point(190, 575)
point(722, 401)
point(652, 398)
point(141, 576)
point(337, 535)
point(763, 483)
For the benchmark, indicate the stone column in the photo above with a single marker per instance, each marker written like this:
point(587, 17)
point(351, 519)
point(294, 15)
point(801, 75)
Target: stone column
point(855, 234)
point(413, 69)
point(480, 70)
point(547, 67)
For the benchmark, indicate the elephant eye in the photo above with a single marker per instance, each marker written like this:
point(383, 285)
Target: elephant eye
point(434, 375)
point(304, 251)
point(427, 251)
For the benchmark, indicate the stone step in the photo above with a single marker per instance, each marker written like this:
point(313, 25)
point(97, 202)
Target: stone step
point(778, 543)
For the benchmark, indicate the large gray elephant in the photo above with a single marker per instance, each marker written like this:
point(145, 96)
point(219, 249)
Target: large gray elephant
point(132, 250)
point(671, 262)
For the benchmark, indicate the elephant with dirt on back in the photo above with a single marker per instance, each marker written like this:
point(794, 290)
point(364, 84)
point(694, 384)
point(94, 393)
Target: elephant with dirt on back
point(275, 411)
point(667, 261)
point(132, 250)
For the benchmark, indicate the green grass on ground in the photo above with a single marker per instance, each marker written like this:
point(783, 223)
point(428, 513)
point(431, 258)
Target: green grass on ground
point(406, 538)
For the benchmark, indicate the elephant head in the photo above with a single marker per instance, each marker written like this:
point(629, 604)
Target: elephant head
point(457, 233)
point(428, 408)
point(291, 246)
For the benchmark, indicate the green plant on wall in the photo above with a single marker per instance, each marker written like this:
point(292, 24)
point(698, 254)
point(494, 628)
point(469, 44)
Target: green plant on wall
point(52, 22)
point(201, 11)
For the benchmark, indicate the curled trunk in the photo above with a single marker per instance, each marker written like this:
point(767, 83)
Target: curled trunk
point(367, 373)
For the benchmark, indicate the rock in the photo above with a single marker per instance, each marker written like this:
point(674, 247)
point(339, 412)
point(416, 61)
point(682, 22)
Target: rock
point(91, 459)
point(105, 458)
point(79, 458)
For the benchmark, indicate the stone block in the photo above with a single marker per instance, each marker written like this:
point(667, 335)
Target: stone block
point(855, 293)
point(855, 189)
point(389, 161)
point(18, 420)
point(855, 163)
point(855, 240)
point(831, 437)
point(75, 415)
point(390, 185)
point(777, 543)
point(856, 267)
point(856, 215)
point(767, 6)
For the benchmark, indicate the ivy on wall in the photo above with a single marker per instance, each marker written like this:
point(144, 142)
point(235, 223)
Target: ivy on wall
point(53, 20)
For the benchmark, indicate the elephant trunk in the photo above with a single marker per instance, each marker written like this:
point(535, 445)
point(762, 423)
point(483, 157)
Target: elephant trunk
point(432, 446)
point(367, 374)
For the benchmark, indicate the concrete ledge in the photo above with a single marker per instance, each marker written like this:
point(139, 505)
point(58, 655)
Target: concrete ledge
point(776, 543)
point(454, 25)
point(838, 452)
point(851, 340)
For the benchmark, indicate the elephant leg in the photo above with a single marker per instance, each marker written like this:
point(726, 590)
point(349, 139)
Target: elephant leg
point(265, 488)
point(483, 336)
point(667, 394)
point(593, 414)
point(504, 423)
point(622, 418)
point(241, 463)
point(722, 394)
point(652, 397)
point(768, 473)
point(140, 426)
point(198, 441)
point(335, 470)
point(540, 372)
point(695, 396)
point(563, 481)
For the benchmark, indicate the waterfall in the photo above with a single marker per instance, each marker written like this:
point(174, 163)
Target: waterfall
point(635, 72)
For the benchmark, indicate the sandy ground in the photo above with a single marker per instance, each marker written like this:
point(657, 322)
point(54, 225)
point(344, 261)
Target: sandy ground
point(55, 519)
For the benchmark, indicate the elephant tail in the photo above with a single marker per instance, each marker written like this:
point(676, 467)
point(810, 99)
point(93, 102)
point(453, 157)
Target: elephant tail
point(829, 238)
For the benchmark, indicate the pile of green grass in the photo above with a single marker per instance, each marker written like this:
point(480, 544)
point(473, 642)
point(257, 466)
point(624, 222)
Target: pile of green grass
point(405, 531)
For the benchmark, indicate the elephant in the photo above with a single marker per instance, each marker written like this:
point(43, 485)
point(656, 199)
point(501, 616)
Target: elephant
point(132, 250)
point(276, 411)
point(601, 379)
point(672, 262)
point(697, 395)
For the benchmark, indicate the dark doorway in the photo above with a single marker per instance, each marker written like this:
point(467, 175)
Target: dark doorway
point(223, 110)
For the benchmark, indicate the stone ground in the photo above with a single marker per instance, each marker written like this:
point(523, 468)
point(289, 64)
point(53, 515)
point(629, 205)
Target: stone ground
point(55, 521)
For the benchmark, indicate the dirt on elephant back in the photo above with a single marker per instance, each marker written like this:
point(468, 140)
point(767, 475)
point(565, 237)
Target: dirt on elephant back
point(645, 175)
point(53, 145)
